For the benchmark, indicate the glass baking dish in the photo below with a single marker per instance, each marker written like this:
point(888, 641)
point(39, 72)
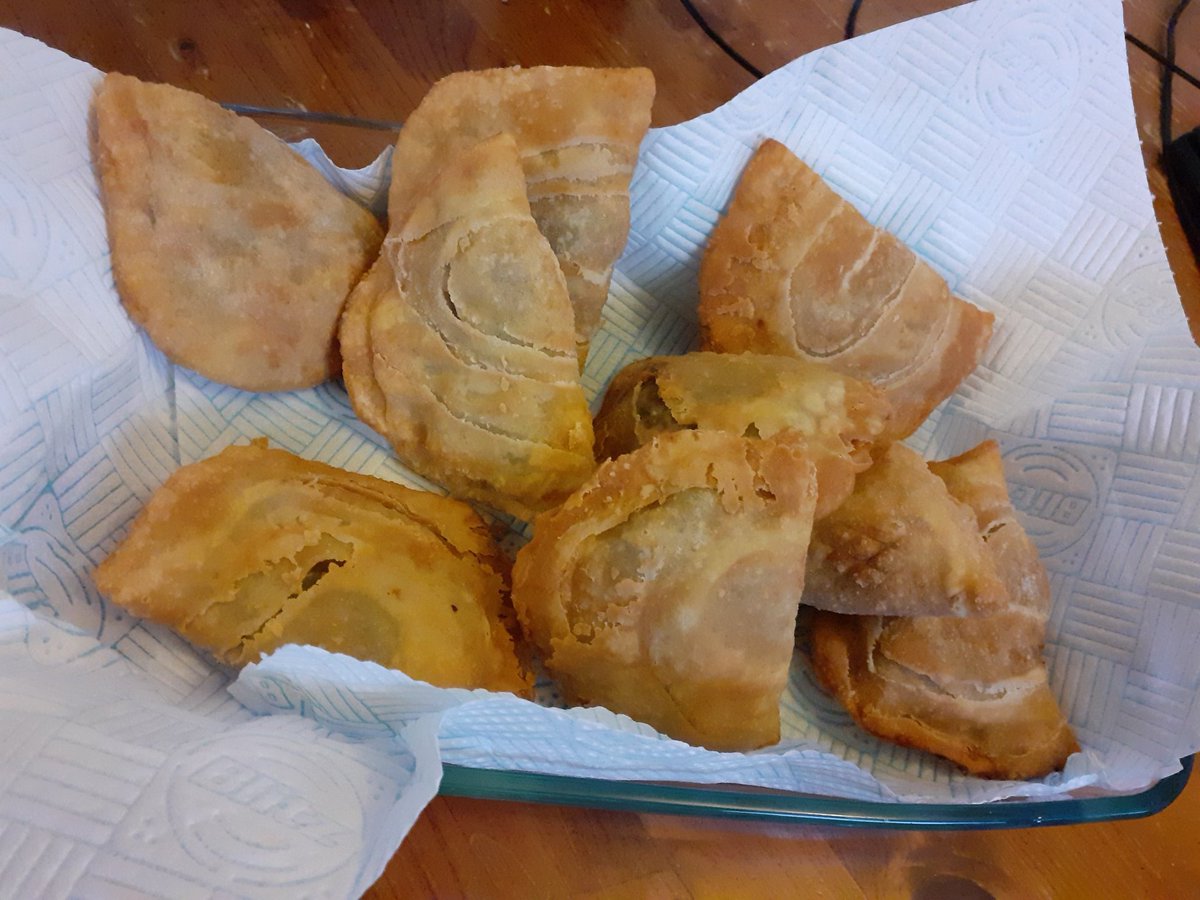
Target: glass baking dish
point(738, 802)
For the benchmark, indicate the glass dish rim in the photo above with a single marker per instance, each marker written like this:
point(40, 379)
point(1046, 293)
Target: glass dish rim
point(740, 802)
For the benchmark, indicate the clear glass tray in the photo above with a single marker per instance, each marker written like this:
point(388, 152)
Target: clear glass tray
point(738, 802)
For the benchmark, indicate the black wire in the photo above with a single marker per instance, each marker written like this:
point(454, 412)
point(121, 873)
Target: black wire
point(305, 116)
point(852, 22)
point(1175, 158)
point(852, 19)
point(1168, 62)
point(720, 41)
point(1162, 60)
point(1168, 76)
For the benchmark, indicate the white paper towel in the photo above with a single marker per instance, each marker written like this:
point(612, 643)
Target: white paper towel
point(997, 139)
point(115, 785)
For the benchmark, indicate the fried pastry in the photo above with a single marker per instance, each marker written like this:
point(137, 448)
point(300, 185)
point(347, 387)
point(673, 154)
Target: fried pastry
point(577, 131)
point(458, 345)
point(972, 690)
point(254, 548)
point(793, 268)
point(667, 587)
point(834, 416)
point(231, 251)
point(901, 545)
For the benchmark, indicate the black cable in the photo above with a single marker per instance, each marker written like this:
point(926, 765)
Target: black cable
point(1180, 157)
point(305, 116)
point(852, 25)
point(720, 41)
point(1162, 60)
point(1168, 75)
point(1166, 61)
point(852, 19)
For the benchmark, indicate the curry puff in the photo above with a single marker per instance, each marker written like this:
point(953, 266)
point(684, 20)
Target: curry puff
point(458, 346)
point(834, 416)
point(972, 690)
point(577, 132)
point(667, 587)
point(901, 545)
point(793, 268)
point(255, 548)
point(233, 253)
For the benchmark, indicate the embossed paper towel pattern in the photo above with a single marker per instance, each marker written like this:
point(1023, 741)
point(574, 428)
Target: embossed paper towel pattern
point(997, 139)
point(121, 790)
point(125, 765)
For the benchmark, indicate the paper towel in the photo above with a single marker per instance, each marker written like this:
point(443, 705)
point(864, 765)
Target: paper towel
point(115, 785)
point(997, 139)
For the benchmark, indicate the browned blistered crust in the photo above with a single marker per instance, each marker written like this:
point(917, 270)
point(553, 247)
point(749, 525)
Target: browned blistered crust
point(901, 544)
point(666, 588)
point(459, 346)
point(577, 131)
point(232, 252)
point(835, 417)
point(973, 690)
point(794, 269)
point(254, 548)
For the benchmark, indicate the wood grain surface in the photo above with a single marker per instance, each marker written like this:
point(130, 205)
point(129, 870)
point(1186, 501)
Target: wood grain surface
point(376, 60)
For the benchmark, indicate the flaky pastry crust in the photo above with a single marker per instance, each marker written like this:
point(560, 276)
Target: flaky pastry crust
point(230, 250)
point(666, 588)
point(834, 417)
point(254, 548)
point(973, 690)
point(901, 544)
point(792, 268)
point(577, 131)
point(458, 345)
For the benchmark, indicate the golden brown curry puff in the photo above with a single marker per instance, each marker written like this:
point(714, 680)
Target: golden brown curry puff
point(254, 548)
point(232, 252)
point(458, 345)
point(577, 132)
point(901, 544)
point(972, 690)
point(756, 395)
point(667, 587)
point(792, 268)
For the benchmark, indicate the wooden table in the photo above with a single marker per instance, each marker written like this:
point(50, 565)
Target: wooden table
point(376, 60)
